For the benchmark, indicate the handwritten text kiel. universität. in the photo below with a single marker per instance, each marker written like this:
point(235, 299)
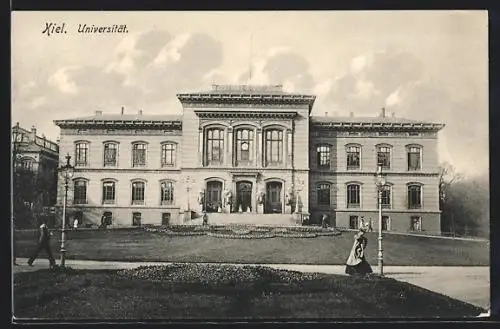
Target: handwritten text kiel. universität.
point(61, 28)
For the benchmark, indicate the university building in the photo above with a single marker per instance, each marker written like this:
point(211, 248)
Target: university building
point(251, 155)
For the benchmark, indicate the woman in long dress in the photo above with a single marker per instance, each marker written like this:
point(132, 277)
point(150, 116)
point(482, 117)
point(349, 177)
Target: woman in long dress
point(356, 263)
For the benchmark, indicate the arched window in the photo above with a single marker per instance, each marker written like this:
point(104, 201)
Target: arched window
point(80, 192)
point(353, 196)
point(139, 154)
point(323, 156)
point(168, 154)
point(414, 196)
point(414, 153)
point(274, 146)
point(353, 154)
point(323, 191)
point(214, 147)
point(244, 146)
point(110, 154)
point(81, 154)
point(138, 192)
point(384, 156)
point(167, 193)
point(108, 192)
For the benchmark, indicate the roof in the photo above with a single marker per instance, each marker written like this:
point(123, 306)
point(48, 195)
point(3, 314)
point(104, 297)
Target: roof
point(374, 122)
point(127, 117)
point(128, 120)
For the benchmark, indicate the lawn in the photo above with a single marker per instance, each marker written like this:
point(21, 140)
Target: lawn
point(197, 291)
point(139, 245)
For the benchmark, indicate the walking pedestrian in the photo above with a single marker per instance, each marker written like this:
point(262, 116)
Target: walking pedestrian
point(205, 218)
point(43, 244)
point(324, 221)
point(356, 264)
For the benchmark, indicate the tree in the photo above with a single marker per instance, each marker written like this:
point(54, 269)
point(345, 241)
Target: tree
point(447, 177)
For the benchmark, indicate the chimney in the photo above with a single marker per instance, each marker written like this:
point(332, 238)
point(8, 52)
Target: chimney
point(351, 114)
point(123, 110)
point(140, 112)
point(326, 114)
point(393, 114)
point(382, 112)
point(33, 132)
point(99, 113)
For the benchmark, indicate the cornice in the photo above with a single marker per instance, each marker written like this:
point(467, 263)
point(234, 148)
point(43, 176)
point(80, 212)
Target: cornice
point(373, 173)
point(128, 170)
point(206, 114)
point(122, 124)
point(378, 126)
point(242, 98)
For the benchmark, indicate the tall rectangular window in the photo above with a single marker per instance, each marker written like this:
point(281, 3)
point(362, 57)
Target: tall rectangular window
point(324, 194)
point(80, 192)
point(414, 158)
point(215, 146)
point(353, 157)
point(167, 193)
point(108, 192)
point(386, 197)
point(81, 154)
point(353, 222)
point(110, 154)
point(274, 146)
point(353, 196)
point(384, 157)
point(323, 156)
point(414, 197)
point(136, 219)
point(416, 224)
point(386, 223)
point(244, 146)
point(138, 192)
point(139, 154)
point(168, 155)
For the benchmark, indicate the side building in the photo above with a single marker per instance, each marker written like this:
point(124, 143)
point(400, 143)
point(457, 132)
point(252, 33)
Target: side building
point(251, 155)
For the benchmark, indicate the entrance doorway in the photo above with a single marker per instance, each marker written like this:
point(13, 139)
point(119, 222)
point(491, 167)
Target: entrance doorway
point(244, 196)
point(214, 196)
point(273, 198)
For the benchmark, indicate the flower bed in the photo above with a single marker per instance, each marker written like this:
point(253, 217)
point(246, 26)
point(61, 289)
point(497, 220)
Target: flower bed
point(294, 235)
point(232, 235)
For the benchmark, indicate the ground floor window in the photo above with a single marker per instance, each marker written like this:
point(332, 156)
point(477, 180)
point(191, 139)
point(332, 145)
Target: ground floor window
point(353, 222)
point(136, 219)
point(386, 223)
point(416, 224)
point(165, 218)
point(108, 217)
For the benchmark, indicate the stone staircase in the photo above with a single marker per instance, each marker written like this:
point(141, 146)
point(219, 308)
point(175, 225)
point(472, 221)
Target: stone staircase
point(246, 219)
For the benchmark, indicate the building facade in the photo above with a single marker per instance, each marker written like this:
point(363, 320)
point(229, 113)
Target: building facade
point(251, 154)
point(35, 162)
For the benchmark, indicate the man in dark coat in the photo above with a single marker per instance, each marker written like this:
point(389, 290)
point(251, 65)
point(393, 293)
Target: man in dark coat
point(43, 244)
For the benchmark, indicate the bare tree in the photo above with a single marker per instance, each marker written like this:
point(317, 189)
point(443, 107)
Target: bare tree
point(447, 177)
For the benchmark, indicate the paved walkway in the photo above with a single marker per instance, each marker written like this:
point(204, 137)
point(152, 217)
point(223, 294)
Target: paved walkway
point(470, 284)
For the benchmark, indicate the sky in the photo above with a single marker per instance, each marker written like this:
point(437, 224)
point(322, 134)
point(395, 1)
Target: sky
point(422, 65)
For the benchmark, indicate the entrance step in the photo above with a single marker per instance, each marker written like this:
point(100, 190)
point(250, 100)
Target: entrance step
point(248, 219)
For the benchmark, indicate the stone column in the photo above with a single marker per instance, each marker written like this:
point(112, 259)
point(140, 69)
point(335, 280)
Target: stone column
point(229, 144)
point(200, 147)
point(289, 137)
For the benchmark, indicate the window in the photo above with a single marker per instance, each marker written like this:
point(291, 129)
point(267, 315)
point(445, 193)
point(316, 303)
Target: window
point(28, 163)
point(80, 192)
point(81, 154)
point(167, 193)
point(386, 198)
point(414, 197)
point(139, 154)
point(215, 146)
point(108, 192)
point(108, 217)
point(323, 156)
point(274, 146)
point(414, 158)
point(353, 196)
point(353, 157)
point(244, 146)
point(110, 154)
point(384, 157)
point(168, 154)
point(324, 194)
point(353, 222)
point(136, 219)
point(138, 192)
point(386, 223)
point(416, 224)
point(165, 218)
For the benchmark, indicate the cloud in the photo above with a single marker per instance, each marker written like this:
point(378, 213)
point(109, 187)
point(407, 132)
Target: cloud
point(61, 80)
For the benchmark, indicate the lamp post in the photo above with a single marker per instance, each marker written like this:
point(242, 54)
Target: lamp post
point(67, 172)
point(380, 182)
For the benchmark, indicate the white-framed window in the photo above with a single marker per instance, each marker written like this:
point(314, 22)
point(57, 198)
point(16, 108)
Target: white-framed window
point(274, 146)
point(384, 156)
point(110, 154)
point(167, 192)
point(80, 191)
point(138, 192)
point(353, 155)
point(244, 146)
point(139, 150)
point(414, 154)
point(353, 195)
point(414, 196)
point(108, 192)
point(385, 197)
point(168, 154)
point(323, 156)
point(81, 154)
point(214, 146)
